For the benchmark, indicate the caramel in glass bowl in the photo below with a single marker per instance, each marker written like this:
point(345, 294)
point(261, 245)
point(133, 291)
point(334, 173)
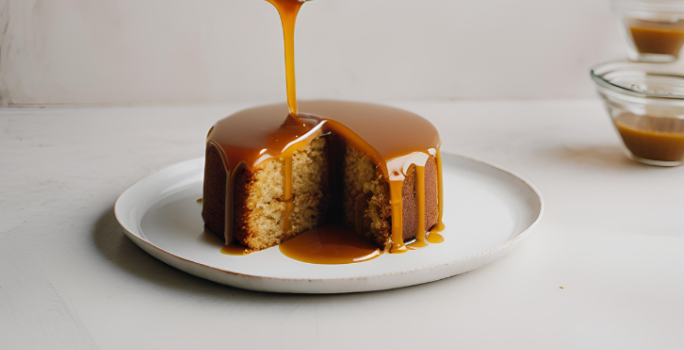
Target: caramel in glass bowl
point(654, 30)
point(646, 104)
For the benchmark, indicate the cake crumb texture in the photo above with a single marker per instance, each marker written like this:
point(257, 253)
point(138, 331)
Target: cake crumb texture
point(260, 205)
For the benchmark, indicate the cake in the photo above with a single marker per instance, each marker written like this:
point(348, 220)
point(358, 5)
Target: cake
point(277, 171)
point(270, 176)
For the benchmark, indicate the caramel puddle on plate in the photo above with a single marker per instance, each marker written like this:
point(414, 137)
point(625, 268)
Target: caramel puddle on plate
point(435, 238)
point(330, 245)
point(432, 237)
point(417, 245)
point(231, 249)
point(234, 249)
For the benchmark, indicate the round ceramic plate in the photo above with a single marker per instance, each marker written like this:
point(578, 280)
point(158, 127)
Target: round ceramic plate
point(487, 213)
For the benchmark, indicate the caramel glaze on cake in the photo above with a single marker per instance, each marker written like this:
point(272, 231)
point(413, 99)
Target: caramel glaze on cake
point(381, 164)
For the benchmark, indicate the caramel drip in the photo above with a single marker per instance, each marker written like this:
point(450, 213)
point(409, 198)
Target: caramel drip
point(420, 188)
point(286, 157)
point(288, 10)
point(434, 236)
point(287, 192)
point(420, 194)
point(397, 215)
point(440, 190)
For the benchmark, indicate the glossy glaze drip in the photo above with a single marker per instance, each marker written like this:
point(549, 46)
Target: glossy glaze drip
point(420, 192)
point(287, 190)
point(330, 244)
point(434, 236)
point(396, 182)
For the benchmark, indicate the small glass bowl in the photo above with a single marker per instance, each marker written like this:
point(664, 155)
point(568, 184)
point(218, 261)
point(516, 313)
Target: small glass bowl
point(654, 30)
point(646, 104)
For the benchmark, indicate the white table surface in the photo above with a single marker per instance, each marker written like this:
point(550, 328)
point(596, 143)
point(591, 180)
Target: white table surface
point(612, 237)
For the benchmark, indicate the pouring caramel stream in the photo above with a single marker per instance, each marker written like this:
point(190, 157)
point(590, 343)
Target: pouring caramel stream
point(288, 11)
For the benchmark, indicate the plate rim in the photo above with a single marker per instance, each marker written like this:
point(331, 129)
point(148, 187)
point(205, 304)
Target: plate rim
point(524, 233)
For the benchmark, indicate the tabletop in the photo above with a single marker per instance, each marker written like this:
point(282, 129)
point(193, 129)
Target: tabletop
point(603, 270)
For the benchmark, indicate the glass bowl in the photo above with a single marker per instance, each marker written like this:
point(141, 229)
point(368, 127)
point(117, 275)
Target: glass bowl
point(646, 104)
point(654, 30)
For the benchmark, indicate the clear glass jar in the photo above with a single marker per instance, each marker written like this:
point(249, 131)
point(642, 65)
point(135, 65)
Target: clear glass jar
point(654, 30)
point(646, 104)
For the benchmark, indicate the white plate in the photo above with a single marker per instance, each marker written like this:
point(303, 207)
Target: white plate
point(487, 213)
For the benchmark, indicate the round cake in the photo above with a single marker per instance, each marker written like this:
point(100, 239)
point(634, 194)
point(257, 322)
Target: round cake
point(270, 176)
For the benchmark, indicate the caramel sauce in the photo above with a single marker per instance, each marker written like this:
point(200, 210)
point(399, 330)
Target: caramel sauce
point(393, 139)
point(288, 11)
point(229, 249)
point(235, 249)
point(654, 138)
point(420, 192)
point(435, 237)
point(330, 244)
point(657, 37)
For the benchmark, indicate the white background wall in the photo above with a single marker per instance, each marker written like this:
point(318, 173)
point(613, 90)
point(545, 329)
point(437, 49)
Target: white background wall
point(183, 51)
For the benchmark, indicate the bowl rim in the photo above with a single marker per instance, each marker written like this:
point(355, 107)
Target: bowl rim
point(621, 65)
point(641, 5)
